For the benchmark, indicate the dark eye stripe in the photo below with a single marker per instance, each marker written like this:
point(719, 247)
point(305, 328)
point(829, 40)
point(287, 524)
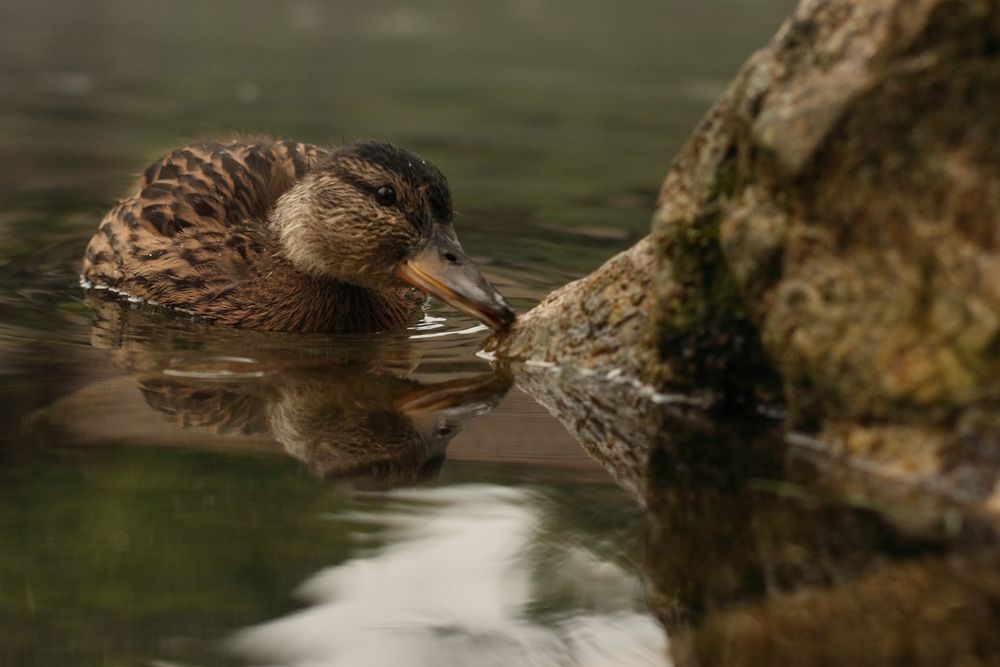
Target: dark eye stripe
point(415, 218)
point(358, 183)
point(367, 188)
point(440, 205)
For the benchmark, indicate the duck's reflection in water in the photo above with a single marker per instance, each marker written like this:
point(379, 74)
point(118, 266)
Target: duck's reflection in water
point(456, 585)
point(342, 405)
point(396, 440)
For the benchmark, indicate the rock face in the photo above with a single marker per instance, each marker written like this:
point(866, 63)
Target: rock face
point(830, 234)
point(598, 322)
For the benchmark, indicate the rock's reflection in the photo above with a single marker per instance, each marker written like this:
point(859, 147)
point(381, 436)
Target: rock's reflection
point(456, 586)
point(341, 405)
point(758, 556)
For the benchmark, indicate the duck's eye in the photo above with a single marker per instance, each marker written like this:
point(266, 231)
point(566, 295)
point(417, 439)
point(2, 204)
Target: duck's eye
point(385, 195)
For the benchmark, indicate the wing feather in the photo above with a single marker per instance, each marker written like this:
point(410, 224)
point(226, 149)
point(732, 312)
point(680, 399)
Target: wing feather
point(195, 225)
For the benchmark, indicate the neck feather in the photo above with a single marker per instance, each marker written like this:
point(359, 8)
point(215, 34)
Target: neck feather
point(287, 299)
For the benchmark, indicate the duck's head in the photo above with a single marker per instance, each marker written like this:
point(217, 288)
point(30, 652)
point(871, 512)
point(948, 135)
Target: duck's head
point(377, 216)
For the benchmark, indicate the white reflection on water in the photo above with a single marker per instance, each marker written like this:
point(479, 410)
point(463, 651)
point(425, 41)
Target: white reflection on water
point(453, 586)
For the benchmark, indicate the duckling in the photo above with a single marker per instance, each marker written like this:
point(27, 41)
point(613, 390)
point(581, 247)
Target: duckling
point(286, 236)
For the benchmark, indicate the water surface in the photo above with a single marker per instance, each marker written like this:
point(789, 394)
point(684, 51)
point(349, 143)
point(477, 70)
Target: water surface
point(177, 493)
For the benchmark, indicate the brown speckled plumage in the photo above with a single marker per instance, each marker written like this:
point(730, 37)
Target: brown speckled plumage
point(273, 235)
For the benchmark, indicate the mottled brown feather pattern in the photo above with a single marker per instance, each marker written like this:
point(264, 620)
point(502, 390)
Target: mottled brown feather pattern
point(193, 236)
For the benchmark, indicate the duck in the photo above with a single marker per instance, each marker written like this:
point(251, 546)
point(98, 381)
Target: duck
point(286, 236)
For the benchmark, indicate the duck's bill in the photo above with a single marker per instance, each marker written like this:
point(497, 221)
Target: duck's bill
point(443, 270)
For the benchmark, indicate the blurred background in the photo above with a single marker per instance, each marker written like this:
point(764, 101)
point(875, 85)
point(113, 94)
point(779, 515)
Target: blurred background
point(544, 114)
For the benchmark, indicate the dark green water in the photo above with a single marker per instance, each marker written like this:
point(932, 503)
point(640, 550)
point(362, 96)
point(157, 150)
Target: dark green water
point(176, 494)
